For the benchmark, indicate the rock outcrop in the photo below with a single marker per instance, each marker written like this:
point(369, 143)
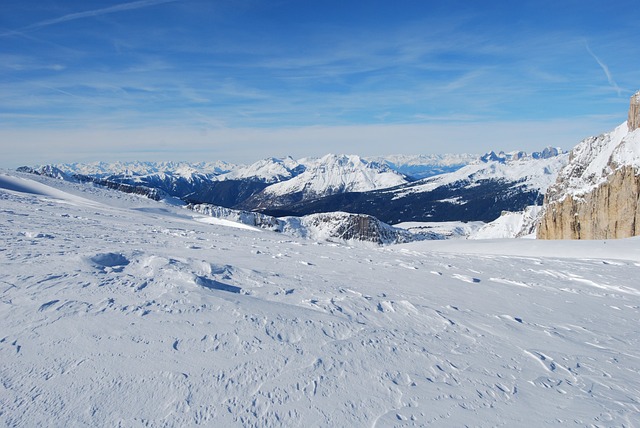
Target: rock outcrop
point(339, 226)
point(634, 112)
point(597, 195)
point(609, 211)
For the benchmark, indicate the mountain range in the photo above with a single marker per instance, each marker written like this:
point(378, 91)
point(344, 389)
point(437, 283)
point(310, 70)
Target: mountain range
point(394, 189)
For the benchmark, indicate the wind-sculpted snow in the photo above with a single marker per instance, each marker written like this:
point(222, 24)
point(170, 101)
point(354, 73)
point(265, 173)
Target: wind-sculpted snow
point(127, 312)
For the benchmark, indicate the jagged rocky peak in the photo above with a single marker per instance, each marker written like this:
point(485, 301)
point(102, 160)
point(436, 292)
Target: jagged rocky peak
point(634, 112)
point(502, 157)
point(492, 156)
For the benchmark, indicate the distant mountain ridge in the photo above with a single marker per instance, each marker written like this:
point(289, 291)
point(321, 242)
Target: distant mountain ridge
point(230, 185)
point(329, 175)
point(481, 190)
point(474, 188)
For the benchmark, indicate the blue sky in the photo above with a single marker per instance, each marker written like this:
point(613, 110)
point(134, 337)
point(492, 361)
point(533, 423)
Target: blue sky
point(246, 79)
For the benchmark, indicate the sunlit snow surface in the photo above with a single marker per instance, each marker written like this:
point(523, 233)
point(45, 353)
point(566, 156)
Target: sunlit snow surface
point(119, 311)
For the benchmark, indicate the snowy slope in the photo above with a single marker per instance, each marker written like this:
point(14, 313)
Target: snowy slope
point(511, 225)
point(593, 158)
point(270, 170)
point(122, 311)
point(527, 172)
point(337, 174)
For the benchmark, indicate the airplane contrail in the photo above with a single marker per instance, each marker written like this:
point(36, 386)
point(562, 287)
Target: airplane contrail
point(89, 13)
point(606, 70)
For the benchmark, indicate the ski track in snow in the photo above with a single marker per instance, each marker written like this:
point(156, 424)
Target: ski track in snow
point(117, 313)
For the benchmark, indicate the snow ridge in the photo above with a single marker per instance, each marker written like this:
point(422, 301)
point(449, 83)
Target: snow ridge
point(596, 158)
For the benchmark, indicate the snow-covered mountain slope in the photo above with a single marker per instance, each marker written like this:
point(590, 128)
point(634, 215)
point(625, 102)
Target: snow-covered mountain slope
point(595, 158)
point(121, 311)
point(339, 173)
point(511, 225)
point(328, 175)
point(527, 172)
point(270, 170)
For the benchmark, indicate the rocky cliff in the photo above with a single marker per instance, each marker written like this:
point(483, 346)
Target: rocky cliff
point(597, 195)
point(634, 112)
point(609, 211)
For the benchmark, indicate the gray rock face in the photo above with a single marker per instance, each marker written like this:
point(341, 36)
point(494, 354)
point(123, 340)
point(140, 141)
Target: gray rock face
point(609, 211)
point(634, 112)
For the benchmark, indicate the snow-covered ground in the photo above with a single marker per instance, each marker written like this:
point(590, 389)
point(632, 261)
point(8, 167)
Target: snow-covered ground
point(120, 311)
point(521, 224)
point(447, 229)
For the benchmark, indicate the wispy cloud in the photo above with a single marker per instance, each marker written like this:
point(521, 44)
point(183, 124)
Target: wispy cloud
point(606, 70)
point(89, 14)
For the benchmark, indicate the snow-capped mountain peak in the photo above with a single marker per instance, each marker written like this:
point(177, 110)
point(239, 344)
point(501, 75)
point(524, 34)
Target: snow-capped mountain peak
point(269, 170)
point(338, 173)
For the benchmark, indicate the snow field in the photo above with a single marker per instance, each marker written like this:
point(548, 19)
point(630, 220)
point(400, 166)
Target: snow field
point(129, 312)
